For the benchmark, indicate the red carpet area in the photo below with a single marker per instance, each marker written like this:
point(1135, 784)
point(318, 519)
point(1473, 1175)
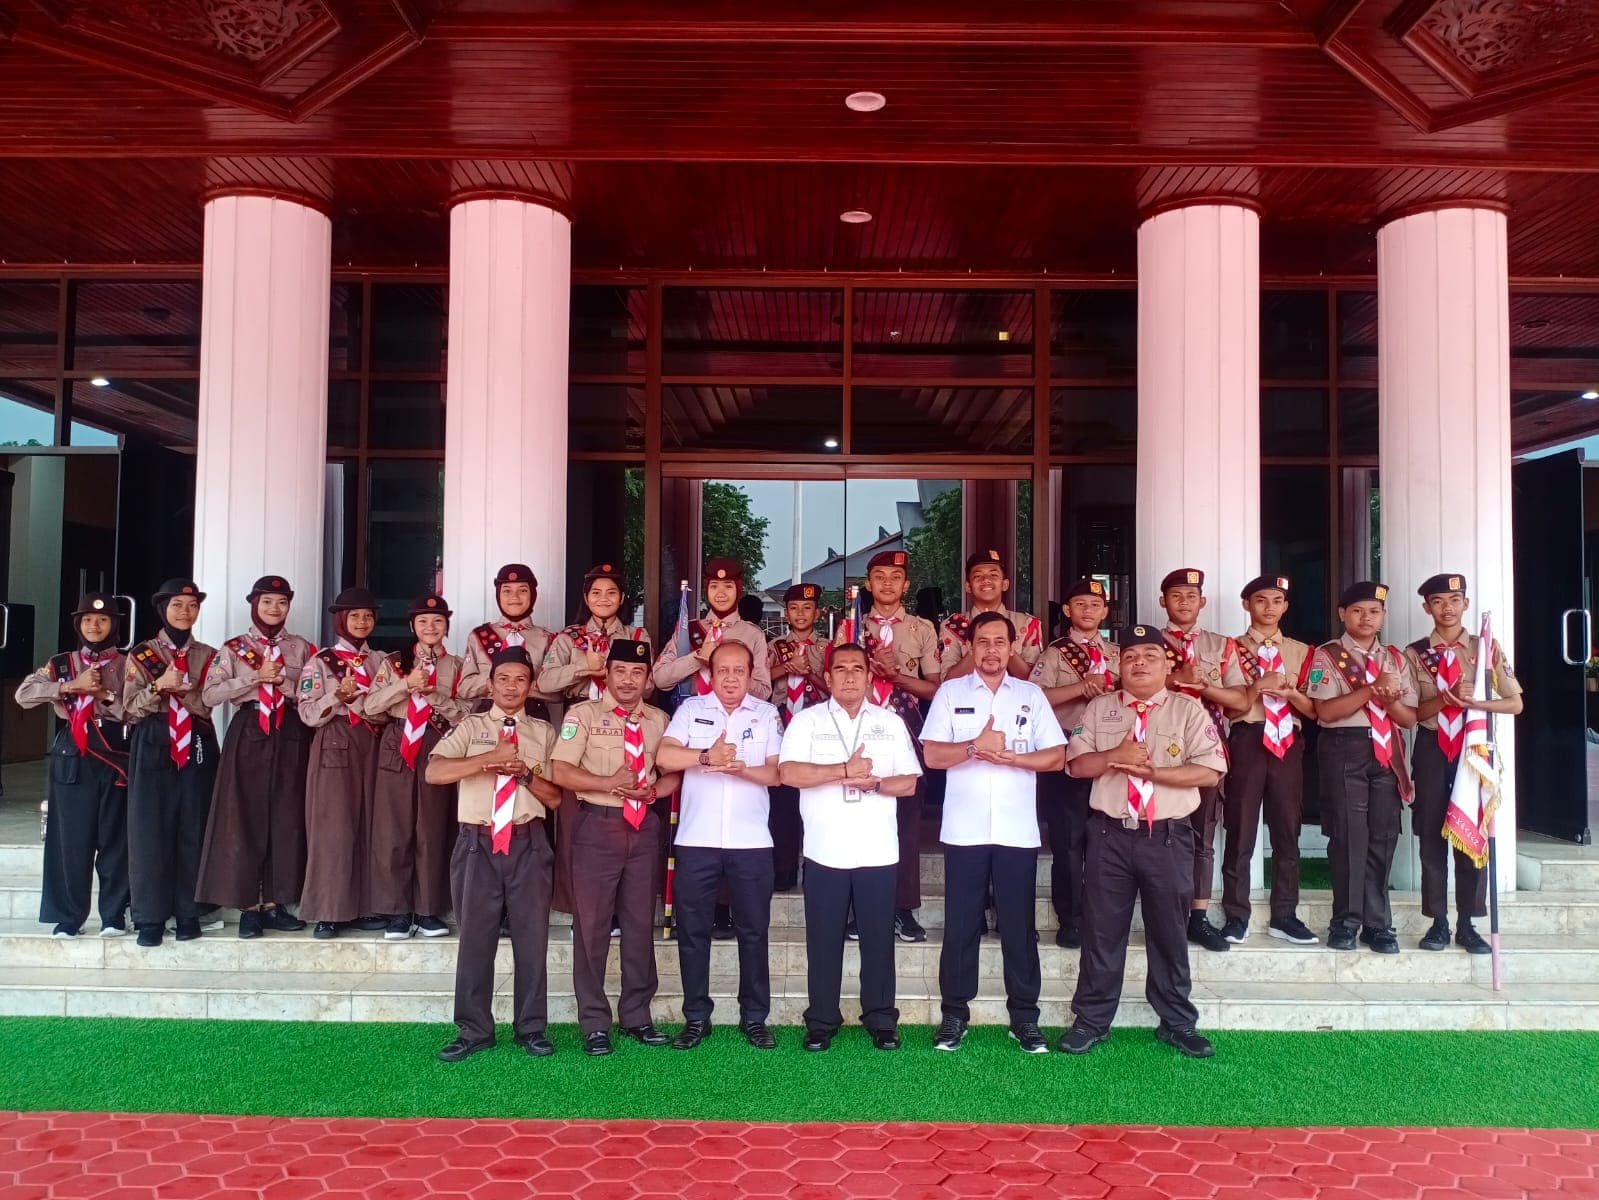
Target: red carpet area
point(160, 1157)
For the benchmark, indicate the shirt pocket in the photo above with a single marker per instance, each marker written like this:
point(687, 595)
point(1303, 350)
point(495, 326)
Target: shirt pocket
point(334, 749)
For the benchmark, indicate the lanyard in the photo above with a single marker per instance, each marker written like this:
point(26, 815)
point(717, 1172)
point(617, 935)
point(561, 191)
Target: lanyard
point(850, 792)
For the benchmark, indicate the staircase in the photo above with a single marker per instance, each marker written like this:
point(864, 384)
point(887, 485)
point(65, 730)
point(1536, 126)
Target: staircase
point(1550, 931)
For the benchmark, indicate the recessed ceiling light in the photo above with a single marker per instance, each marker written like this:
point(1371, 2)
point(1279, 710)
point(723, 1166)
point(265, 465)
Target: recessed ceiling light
point(100, 381)
point(831, 443)
point(1590, 395)
point(1004, 335)
point(865, 101)
point(855, 216)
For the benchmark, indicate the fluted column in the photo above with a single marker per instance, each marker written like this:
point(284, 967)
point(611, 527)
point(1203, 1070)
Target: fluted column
point(262, 442)
point(505, 407)
point(1443, 363)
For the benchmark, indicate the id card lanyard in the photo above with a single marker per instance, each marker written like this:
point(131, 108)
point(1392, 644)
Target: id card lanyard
point(852, 794)
point(1020, 741)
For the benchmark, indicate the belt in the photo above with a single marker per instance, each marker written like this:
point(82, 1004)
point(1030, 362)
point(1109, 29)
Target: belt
point(1363, 731)
point(606, 810)
point(1135, 824)
point(520, 829)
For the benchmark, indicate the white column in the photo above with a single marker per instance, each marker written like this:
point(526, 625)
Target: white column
point(263, 418)
point(1443, 363)
point(1199, 413)
point(505, 404)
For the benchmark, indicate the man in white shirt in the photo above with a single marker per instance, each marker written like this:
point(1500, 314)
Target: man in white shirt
point(726, 744)
point(992, 733)
point(850, 760)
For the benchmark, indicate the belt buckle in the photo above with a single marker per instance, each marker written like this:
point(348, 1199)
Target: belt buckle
point(1130, 822)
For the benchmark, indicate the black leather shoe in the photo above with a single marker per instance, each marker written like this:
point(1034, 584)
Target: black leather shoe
point(1472, 942)
point(462, 1048)
point(249, 924)
point(1202, 933)
point(1382, 941)
point(1026, 1035)
point(1436, 938)
point(597, 1043)
point(188, 931)
point(371, 923)
point(150, 935)
point(281, 919)
point(1340, 937)
point(693, 1033)
point(785, 883)
point(1069, 938)
point(1188, 1041)
point(537, 1044)
point(758, 1035)
point(722, 924)
point(817, 1040)
point(325, 930)
point(644, 1035)
point(951, 1033)
point(885, 1039)
point(1080, 1039)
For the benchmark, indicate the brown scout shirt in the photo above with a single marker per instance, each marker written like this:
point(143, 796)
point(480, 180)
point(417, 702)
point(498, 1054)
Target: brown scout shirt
point(230, 681)
point(477, 734)
point(591, 740)
point(1179, 732)
point(1326, 681)
point(954, 647)
point(1504, 682)
point(670, 670)
point(318, 700)
point(915, 643)
point(562, 671)
point(474, 680)
point(390, 699)
point(811, 657)
point(1296, 666)
point(42, 688)
point(1055, 670)
point(141, 700)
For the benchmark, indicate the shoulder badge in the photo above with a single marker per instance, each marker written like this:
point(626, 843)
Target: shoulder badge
point(568, 731)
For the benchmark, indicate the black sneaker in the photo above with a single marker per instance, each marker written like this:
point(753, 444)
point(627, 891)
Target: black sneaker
point(906, 927)
point(151, 935)
point(399, 928)
point(1340, 937)
point(852, 931)
point(64, 930)
point(325, 930)
point(1026, 1035)
point(1069, 938)
point(616, 926)
point(597, 1043)
point(1187, 1040)
point(1469, 940)
point(1202, 933)
point(431, 927)
point(951, 1033)
point(1236, 930)
point(281, 919)
point(249, 924)
point(1382, 941)
point(113, 930)
point(188, 931)
point(372, 923)
point(1436, 938)
point(721, 925)
point(1080, 1039)
point(1292, 929)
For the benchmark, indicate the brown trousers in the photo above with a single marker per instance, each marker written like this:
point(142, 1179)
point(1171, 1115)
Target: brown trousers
point(485, 885)
point(1360, 809)
point(1205, 819)
point(614, 871)
point(338, 820)
point(1435, 779)
point(1258, 778)
point(908, 880)
point(413, 830)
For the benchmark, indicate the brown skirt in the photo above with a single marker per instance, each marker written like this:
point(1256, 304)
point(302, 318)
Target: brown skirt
point(338, 820)
point(255, 838)
point(413, 832)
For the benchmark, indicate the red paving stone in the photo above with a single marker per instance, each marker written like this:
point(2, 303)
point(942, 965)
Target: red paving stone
point(164, 1157)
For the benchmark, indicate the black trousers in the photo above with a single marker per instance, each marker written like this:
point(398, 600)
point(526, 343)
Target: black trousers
point(829, 894)
point(85, 834)
point(1257, 779)
point(483, 886)
point(1360, 809)
point(701, 870)
point(614, 868)
point(1435, 779)
point(969, 871)
point(1065, 804)
point(167, 812)
point(788, 834)
point(1155, 868)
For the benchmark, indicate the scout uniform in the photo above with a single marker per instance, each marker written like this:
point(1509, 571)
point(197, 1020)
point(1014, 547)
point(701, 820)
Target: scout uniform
point(1267, 752)
point(492, 636)
point(1142, 853)
point(616, 852)
point(341, 777)
point(255, 839)
point(505, 873)
point(955, 634)
point(1439, 741)
point(673, 667)
point(172, 768)
point(1070, 660)
point(86, 822)
point(1364, 780)
point(915, 645)
point(796, 664)
point(1216, 657)
point(413, 821)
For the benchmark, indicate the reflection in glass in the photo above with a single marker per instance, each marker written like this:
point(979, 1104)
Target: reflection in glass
point(165, 411)
point(408, 326)
point(603, 417)
point(1093, 421)
point(1293, 422)
point(796, 419)
point(27, 412)
point(605, 523)
point(939, 420)
point(1357, 422)
point(955, 334)
point(405, 535)
point(29, 316)
point(1094, 334)
point(1293, 335)
point(1097, 536)
point(345, 328)
point(406, 415)
point(1296, 541)
point(608, 331)
point(1357, 337)
point(753, 332)
point(136, 325)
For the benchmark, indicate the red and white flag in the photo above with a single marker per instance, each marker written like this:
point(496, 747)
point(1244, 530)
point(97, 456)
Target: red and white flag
point(1475, 796)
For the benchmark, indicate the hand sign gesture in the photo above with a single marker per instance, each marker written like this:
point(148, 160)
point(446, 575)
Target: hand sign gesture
point(504, 754)
point(990, 740)
point(1131, 756)
point(858, 767)
point(721, 753)
point(170, 681)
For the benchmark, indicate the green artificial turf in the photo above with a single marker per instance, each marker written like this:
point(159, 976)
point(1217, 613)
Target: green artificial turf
point(312, 1069)
point(1315, 874)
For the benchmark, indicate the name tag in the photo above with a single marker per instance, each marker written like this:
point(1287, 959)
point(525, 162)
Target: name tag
point(965, 712)
point(703, 721)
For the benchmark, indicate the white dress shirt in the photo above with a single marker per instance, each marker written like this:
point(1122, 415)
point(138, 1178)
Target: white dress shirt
point(720, 810)
point(990, 804)
point(841, 832)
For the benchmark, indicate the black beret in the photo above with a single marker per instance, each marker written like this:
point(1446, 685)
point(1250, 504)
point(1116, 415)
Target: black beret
point(626, 650)
point(510, 654)
point(1140, 635)
point(176, 587)
point(724, 568)
point(1264, 583)
point(354, 597)
point(428, 603)
point(1086, 587)
point(516, 573)
point(984, 558)
point(275, 584)
point(802, 591)
point(890, 558)
point(1438, 585)
point(1183, 577)
point(1366, 589)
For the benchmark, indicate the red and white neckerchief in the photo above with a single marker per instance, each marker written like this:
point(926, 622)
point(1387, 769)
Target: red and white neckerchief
point(82, 711)
point(1451, 720)
point(1141, 792)
point(355, 660)
point(1097, 665)
point(514, 631)
point(598, 641)
point(797, 683)
point(269, 700)
point(1279, 733)
point(713, 630)
point(417, 713)
point(633, 760)
point(504, 796)
point(1382, 729)
point(883, 689)
point(180, 733)
point(1186, 640)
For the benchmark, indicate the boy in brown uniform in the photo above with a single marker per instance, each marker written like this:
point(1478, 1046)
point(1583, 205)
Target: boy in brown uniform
point(1445, 666)
point(1204, 666)
point(1072, 671)
point(986, 583)
point(1365, 693)
point(498, 762)
point(1267, 755)
point(796, 662)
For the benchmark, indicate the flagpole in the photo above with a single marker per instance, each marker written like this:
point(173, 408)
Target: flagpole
point(1493, 846)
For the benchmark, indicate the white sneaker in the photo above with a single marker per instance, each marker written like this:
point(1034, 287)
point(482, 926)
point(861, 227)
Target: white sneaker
point(111, 931)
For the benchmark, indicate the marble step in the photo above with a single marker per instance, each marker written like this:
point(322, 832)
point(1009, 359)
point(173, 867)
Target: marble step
point(1528, 959)
point(1575, 869)
point(396, 996)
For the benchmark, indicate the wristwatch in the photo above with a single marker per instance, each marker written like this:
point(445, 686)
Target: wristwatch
point(971, 749)
point(705, 758)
